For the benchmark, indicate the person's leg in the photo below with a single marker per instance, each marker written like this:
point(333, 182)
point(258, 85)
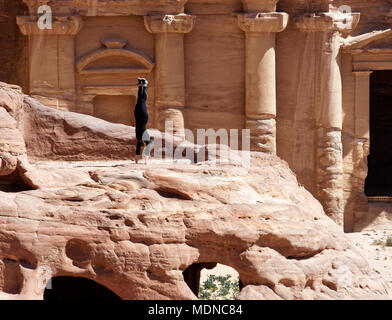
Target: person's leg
point(147, 142)
point(138, 150)
point(144, 94)
point(140, 94)
point(139, 147)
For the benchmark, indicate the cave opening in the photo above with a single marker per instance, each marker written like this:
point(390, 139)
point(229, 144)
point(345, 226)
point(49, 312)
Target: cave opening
point(378, 183)
point(77, 288)
point(13, 183)
point(213, 281)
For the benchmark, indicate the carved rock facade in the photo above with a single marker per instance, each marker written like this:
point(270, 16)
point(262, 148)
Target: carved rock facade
point(296, 73)
point(144, 232)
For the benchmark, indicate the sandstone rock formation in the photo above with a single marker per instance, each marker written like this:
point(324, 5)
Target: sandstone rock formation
point(299, 74)
point(135, 229)
point(29, 128)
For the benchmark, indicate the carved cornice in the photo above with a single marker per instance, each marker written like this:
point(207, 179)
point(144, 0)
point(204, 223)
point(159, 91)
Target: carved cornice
point(327, 21)
point(262, 22)
point(108, 7)
point(61, 25)
point(180, 23)
point(259, 5)
point(35, 3)
point(75, 3)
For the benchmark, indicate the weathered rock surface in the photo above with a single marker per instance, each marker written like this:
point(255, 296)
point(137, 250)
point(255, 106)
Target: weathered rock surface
point(30, 130)
point(12, 145)
point(58, 135)
point(136, 228)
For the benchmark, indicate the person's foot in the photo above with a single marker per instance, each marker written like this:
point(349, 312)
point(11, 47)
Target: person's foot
point(137, 158)
point(146, 159)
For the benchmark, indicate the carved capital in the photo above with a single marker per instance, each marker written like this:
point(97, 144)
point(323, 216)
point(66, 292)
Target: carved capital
point(181, 23)
point(328, 21)
point(61, 25)
point(259, 5)
point(263, 22)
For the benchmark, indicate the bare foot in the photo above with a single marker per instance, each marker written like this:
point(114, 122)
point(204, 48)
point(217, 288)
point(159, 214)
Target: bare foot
point(137, 158)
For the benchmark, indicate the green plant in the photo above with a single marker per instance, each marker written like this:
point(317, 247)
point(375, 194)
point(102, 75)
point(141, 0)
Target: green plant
point(382, 243)
point(378, 243)
point(219, 288)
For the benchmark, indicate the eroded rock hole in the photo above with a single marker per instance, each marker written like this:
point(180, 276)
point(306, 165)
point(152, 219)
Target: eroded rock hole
point(172, 193)
point(12, 279)
point(77, 288)
point(213, 281)
point(78, 250)
point(13, 183)
point(13, 188)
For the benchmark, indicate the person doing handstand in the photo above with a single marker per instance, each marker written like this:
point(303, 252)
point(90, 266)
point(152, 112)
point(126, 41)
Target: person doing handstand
point(141, 119)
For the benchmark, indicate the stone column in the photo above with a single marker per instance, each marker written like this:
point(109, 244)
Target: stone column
point(362, 102)
point(169, 33)
point(52, 59)
point(361, 148)
point(260, 102)
point(328, 107)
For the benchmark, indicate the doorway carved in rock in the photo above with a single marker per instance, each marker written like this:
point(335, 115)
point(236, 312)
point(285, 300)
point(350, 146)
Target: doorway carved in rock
point(116, 109)
point(379, 179)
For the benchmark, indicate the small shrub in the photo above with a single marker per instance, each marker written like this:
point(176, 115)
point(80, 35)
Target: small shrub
point(382, 243)
point(378, 243)
point(219, 288)
point(388, 242)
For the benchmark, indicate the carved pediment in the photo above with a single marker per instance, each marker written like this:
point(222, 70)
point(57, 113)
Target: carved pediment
point(373, 42)
point(114, 58)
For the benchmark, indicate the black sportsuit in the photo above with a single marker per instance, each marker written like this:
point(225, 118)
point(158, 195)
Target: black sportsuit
point(141, 117)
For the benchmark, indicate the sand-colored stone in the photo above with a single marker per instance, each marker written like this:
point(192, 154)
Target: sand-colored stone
point(30, 130)
point(137, 242)
point(296, 73)
point(135, 228)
